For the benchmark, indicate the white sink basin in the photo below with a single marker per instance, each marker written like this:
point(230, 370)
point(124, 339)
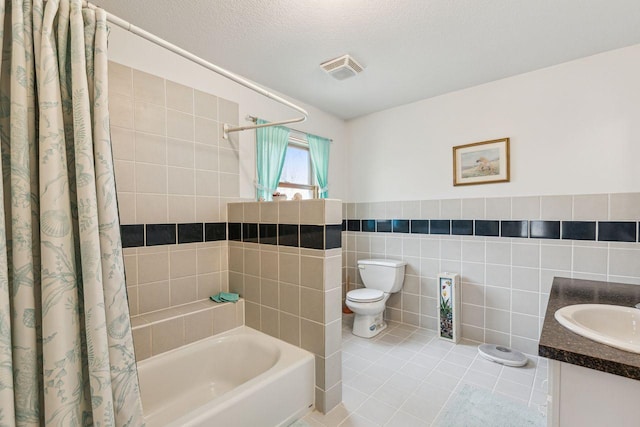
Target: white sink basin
point(613, 325)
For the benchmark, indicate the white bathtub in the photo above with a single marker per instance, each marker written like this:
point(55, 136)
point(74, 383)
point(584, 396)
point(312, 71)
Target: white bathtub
point(241, 378)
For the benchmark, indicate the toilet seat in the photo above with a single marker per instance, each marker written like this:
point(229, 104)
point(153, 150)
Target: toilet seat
point(365, 295)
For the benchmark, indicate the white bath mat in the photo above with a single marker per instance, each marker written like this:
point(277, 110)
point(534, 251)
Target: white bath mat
point(477, 407)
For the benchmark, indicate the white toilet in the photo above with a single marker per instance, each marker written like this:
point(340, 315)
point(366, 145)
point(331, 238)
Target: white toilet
point(381, 278)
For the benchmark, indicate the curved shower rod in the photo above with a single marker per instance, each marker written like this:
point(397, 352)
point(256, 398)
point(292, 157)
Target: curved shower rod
point(227, 129)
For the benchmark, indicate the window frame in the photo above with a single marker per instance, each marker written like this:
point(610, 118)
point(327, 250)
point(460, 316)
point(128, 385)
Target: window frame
point(303, 144)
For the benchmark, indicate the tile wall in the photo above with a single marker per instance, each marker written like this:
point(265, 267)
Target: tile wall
point(285, 260)
point(507, 251)
point(174, 176)
point(164, 330)
point(172, 164)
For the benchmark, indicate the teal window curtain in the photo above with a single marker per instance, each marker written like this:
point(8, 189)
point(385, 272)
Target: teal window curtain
point(319, 152)
point(271, 147)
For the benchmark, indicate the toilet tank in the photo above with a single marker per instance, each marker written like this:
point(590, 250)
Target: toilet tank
point(386, 275)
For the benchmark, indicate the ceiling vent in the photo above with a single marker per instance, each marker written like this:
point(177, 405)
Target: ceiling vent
point(342, 68)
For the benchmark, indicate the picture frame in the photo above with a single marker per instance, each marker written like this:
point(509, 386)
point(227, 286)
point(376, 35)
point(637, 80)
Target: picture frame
point(483, 162)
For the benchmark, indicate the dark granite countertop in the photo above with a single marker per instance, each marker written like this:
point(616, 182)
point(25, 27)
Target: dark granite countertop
point(559, 343)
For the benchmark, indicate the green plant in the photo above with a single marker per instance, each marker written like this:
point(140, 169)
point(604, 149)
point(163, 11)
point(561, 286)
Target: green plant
point(445, 307)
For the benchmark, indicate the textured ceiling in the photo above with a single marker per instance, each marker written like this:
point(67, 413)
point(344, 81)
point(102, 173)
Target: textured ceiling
point(411, 49)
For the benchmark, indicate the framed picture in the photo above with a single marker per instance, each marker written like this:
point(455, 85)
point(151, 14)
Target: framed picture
point(481, 162)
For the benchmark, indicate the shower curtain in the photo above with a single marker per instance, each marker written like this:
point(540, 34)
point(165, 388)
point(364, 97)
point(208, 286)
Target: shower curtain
point(66, 350)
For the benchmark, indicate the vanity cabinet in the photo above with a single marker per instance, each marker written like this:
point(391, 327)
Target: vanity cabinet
point(590, 384)
point(584, 397)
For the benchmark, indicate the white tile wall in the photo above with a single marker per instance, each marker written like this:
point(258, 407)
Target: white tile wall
point(171, 166)
point(171, 162)
point(505, 282)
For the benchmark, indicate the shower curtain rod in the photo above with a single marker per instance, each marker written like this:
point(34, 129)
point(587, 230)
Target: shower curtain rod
point(255, 119)
point(219, 70)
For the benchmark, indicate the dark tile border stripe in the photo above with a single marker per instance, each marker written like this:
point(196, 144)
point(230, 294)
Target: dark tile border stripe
point(330, 236)
point(383, 225)
point(191, 233)
point(604, 231)
point(215, 231)
point(420, 226)
point(289, 235)
point(544, 229)
point(132, 235)
point(160, 234)
point(312, 236)
point(235, 231)
point(617, 231)
point(268, 234)
point(440, 226)
point(462, 227)
point(353, 225)
point(514, 229)
point(487, 228)
point(579, 230)
point(368, 225)
point(400, 225)
point(250, 232)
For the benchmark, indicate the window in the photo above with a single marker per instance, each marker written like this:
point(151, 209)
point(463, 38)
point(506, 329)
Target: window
point(297, 173)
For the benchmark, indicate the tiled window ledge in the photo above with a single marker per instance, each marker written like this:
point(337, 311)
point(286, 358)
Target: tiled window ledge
point(164, 330)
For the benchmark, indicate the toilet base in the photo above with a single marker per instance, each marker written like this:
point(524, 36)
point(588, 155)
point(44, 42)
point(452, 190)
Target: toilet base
point(367, 326)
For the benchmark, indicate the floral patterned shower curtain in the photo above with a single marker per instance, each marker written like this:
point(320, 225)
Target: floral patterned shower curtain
point(66, 350)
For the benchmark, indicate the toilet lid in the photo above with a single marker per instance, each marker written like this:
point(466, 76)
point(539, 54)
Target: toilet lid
point(365, 295)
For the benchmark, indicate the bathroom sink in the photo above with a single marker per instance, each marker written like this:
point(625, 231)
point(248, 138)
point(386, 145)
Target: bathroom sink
point(613, 325)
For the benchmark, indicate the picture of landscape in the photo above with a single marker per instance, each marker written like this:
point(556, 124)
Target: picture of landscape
point(481, 163)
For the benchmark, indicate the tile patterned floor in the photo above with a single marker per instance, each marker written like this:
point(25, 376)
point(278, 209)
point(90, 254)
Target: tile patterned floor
point(404, 377)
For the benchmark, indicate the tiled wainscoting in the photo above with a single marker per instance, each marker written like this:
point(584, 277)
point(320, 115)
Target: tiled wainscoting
point(497, 246)
point(285, 260)
point(162, 277)
point(174, 177)
point(169, 282)
point(164, 330)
